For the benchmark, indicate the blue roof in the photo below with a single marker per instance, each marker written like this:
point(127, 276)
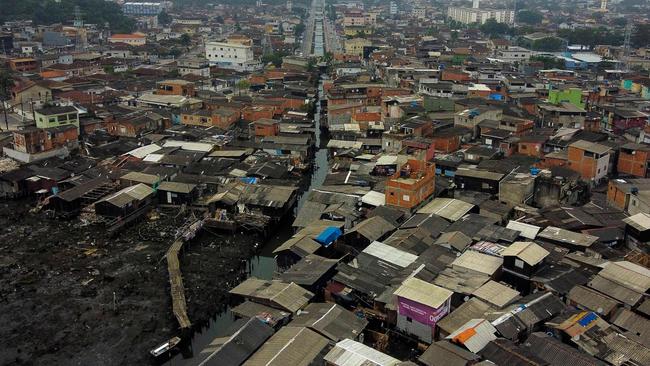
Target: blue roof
point(329, 235)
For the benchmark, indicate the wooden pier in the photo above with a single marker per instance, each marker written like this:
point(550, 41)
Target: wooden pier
point(179, 304)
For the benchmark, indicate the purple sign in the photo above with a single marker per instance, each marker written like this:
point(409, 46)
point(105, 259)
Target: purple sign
point(421, 313)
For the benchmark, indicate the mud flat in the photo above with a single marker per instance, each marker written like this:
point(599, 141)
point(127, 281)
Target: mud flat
point(70, 295)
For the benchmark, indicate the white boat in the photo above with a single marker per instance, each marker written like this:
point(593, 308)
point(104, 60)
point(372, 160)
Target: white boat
point(165, 347)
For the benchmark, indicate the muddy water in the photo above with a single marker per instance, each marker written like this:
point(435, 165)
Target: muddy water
point(262, 265)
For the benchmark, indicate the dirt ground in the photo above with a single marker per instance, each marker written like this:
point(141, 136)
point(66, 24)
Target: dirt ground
point(71, 296)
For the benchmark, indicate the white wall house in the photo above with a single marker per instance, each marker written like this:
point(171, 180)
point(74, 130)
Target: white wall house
point(232, 56)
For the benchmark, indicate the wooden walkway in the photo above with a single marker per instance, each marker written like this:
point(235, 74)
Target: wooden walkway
point(176, 281)
point(179, 305)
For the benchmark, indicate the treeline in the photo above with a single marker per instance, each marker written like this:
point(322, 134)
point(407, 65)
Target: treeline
point(48, 12)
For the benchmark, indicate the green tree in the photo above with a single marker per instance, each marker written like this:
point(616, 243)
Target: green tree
point(243, 84)
point(299, 29)
point(548, 44)
point(185, 39)
point(549, 62)
point(275, 58)
point(492, 28)
point(164, 18)
point(311, 64)
point(529, 17)
point(6, 83)
point(641, 36)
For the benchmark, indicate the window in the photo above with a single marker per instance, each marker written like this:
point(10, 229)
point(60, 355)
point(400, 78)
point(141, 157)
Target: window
point(519, 263)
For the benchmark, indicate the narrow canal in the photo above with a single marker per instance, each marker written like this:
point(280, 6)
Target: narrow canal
point(263, 265)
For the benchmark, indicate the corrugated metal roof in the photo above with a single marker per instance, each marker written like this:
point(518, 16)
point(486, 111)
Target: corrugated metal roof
point(475, 334)
point(527, 251)
point(628, 274)
point(640, 221)
point(444, 353)
point(568, 237)
point(448, 208)
point(389, 254)
point(295, 346)
point(372, 228)
point(615, 290)
point(423, 292)
point(479, 262)
point(527, 231)
point(557, 353)
point(351, 353)
point(192, 146)
point(331, 320)
point(149, 179)
point(288, 296)
point(496, 293)
point(143, 151)
point(592, 300)
point(177, 187)
point(471, 309)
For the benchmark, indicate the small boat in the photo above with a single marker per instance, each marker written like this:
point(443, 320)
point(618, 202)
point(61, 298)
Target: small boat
point(165, 347)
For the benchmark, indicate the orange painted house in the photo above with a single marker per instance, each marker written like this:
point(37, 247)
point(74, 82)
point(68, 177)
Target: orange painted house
point(411, 185)
point(253, 113)
point(266, 127)
point(589, 159)
point(222, 118)
point(554, 159)
point(455, 75)
point(633, 160)
point(531, 145)
point(36, 140)
point(22, 64)
point(175, 87)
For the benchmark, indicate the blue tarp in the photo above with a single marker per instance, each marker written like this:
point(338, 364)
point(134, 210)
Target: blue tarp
point(588, 318)
point(249, 180)
point(329, 235)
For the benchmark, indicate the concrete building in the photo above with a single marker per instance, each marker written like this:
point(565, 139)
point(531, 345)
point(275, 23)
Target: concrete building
point(589, 159)
point(146, 8)
point(411, 185)
point(130, 39)
point(472, 15)
point(194, 66)
point(56, 117)
point(513, 54)
point(232, 55)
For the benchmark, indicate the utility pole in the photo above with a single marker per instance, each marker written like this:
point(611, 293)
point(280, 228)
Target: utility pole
point(629, 27)
point(4, 109)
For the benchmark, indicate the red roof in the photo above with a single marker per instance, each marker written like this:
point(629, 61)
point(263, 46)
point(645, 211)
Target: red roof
point(122, 36)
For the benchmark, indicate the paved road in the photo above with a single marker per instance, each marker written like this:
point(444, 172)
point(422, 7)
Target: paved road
point(332, 40)
point(308, 36)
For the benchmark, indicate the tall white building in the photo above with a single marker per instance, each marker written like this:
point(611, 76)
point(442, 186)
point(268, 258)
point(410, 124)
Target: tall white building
point(234, 56)
point(393, 8)
point(474, 15)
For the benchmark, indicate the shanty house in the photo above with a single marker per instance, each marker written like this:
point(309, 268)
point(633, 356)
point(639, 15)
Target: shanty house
point(523, 258)
point(351, 353)
point(419, 306)
point(276, 294)
point(236, 348)
point(125, 201)
point(330, 320)
point(177, 193)
point(295, 346)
